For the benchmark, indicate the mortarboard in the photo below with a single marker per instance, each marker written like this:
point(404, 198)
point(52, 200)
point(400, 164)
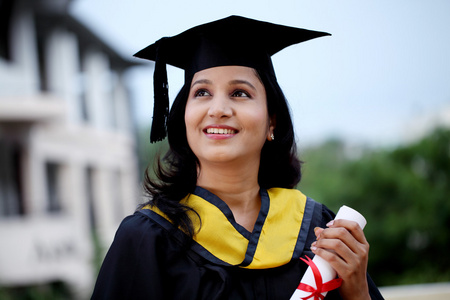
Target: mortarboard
point(230, 41)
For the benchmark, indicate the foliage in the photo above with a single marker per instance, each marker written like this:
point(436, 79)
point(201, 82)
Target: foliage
point(51, 291)
point(403, 193)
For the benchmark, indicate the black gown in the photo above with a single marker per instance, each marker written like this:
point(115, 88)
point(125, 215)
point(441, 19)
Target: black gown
point(149, 260)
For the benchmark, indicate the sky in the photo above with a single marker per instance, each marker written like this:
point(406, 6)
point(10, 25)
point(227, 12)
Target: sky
point(379, 80)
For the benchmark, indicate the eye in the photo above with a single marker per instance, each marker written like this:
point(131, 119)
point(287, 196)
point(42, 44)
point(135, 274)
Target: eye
point(240, 94)
point(202, 93)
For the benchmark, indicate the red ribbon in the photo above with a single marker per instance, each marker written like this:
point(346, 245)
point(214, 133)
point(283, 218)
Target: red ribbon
point(321, 287)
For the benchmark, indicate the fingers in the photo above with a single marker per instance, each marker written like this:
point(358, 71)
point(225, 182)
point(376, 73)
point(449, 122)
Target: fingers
point(342, 244)
point(343, 230)
point(334, 252)
point(353, 227)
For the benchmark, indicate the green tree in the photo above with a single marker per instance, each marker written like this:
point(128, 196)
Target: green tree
point(404, 194)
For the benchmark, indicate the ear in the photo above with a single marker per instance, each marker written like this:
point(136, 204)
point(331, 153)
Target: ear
point(272, 124)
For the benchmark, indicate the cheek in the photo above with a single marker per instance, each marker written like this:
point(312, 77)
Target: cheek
point(260, 120)
point(188, 115)
point(191, 118)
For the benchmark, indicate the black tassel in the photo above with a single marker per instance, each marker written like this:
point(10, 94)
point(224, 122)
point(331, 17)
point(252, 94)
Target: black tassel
point(161, 96)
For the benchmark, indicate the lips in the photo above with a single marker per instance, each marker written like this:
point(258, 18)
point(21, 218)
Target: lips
point(220, 129)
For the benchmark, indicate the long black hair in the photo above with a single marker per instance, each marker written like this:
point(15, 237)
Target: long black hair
point(177, 171)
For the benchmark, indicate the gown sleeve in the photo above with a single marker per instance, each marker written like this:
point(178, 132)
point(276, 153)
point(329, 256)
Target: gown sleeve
point(328, 215)
point(122, 275)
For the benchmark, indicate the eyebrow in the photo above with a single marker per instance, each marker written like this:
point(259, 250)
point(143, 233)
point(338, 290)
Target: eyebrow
point(236, 81)
point(202, 81)
point(239, 81)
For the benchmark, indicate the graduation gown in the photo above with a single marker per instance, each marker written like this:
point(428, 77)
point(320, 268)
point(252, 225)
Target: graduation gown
point(148, 259)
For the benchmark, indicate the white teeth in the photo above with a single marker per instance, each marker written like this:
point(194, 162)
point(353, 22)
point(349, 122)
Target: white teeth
point(220, 131)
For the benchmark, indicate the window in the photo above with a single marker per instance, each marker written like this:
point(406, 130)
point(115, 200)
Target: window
point(85, 117)
point(11, 201)
point(54, 204)
point(6, 10)
point(90, 197)
point(43, 73)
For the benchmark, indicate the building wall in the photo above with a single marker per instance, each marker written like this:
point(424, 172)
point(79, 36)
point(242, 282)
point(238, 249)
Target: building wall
point(67, 148)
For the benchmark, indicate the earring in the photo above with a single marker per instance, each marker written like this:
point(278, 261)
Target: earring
point(272, 137)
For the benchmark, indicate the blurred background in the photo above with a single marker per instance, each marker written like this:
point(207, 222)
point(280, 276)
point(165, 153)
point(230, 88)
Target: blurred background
point(371, 107)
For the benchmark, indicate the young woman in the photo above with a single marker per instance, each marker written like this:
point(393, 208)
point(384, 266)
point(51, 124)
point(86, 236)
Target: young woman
point(223, 220)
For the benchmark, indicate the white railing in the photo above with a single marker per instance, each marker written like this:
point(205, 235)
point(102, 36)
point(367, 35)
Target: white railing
point(434, 291)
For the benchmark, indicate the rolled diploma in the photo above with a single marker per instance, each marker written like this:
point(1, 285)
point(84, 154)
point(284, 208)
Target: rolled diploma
point(327, 272)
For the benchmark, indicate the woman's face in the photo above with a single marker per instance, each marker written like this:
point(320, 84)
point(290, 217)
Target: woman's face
point(226, 115)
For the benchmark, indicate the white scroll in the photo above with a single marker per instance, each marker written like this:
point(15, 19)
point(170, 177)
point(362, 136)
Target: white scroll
point(326, 271)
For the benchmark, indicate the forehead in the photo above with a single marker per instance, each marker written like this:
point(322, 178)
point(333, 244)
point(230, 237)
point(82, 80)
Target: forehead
point(227, 73)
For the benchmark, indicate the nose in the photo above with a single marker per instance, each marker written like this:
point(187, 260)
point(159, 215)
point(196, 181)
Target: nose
point(220, 107)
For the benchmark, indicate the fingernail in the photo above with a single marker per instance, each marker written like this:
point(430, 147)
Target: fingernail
point(330, 223)
point(313, 246)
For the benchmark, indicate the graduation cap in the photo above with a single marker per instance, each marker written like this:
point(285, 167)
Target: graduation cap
point(232, 41)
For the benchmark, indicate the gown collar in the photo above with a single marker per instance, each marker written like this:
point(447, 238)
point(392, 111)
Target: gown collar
point(278, 236)
point(226, 211)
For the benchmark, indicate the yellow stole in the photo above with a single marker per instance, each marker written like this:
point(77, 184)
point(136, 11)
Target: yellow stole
point(273, 240)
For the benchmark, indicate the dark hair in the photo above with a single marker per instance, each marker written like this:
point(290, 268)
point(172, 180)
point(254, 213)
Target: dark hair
point(177, 170)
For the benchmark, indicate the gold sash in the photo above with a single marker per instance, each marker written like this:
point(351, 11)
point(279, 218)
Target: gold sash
point(275, 238)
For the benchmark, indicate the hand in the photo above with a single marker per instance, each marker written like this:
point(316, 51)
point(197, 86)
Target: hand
point(344, 246)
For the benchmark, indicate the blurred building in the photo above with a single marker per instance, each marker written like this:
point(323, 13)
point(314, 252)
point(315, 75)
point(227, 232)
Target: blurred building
point(68, 166)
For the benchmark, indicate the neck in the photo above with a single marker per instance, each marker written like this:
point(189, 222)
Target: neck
point(237, 186)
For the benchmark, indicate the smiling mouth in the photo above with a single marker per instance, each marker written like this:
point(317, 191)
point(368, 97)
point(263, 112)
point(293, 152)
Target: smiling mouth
point(220, 131)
